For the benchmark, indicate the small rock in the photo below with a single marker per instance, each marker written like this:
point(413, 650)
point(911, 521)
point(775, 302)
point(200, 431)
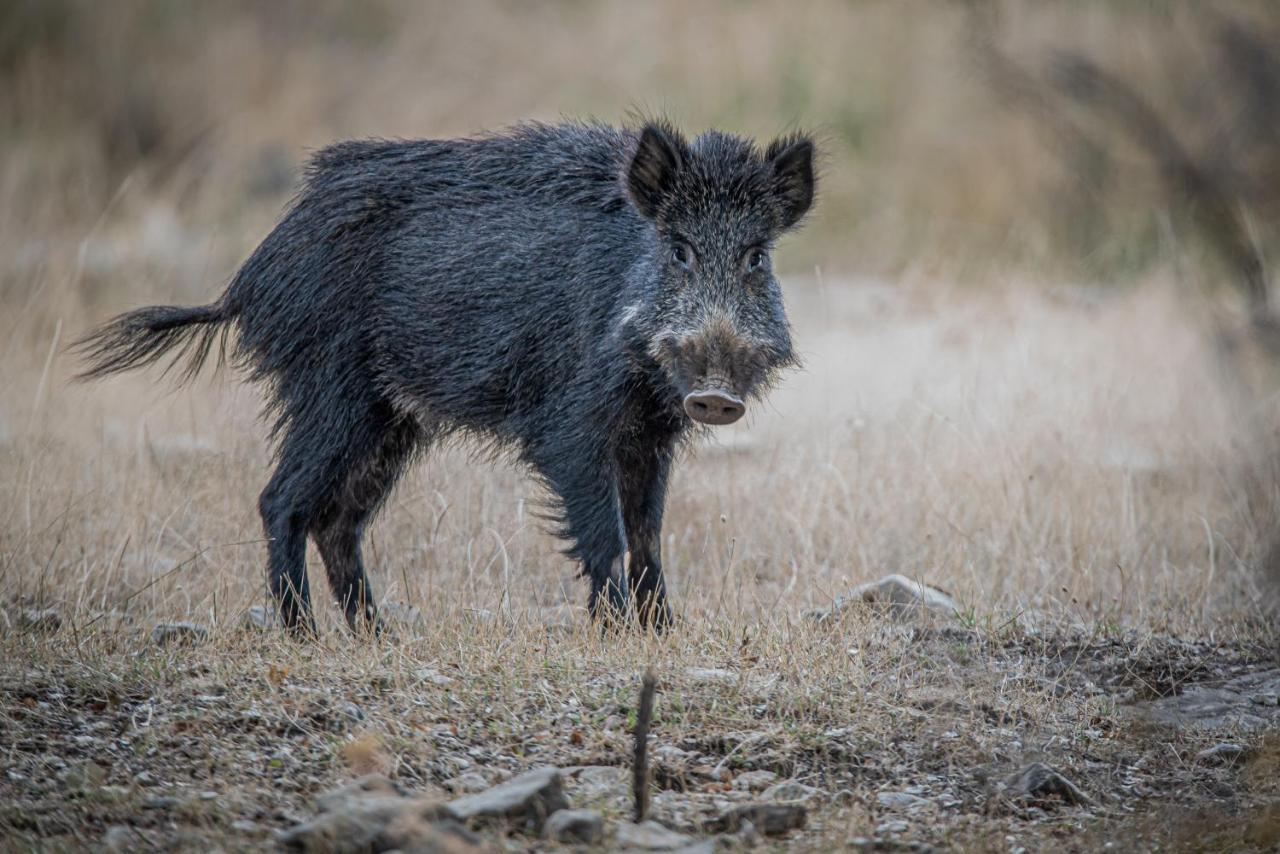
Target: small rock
point(902, 800)
point(747, 836)
point(114, 793)
point(399, 615)
point(381, 823)
point(432, 676)
point(179, 634)
point(1244, 703)
point(161, 802)
point(370, 785)
point(526, 800)
point(704, 846)
point(144, 778)
point(119, 839)
point(594, 781)
point(669, 753)
point(467, 784)
point(261, 619)
point(709, 772)
point(650, 836)
point(1206, 708)
point(584, 827)
point(243, 825)
point(1222, 754)
point(891, 827)
point(902, 597)
point(790, 791)
point(769, 819)
point(39, 620)
point(754, 781)
point(350, 713)
point(1040, 785)
point(712, 675)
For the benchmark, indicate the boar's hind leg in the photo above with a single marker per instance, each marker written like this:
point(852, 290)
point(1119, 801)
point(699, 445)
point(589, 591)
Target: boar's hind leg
point(315, 457)
point(339, 529)
point(642, 482)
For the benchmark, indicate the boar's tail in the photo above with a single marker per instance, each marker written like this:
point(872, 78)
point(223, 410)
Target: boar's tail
point(140, 338)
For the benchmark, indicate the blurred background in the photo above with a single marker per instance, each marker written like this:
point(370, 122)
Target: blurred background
point(1082, 152)
point(1090, 141)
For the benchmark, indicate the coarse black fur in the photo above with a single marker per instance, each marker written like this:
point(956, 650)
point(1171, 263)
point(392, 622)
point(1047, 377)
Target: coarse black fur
point(555, 291)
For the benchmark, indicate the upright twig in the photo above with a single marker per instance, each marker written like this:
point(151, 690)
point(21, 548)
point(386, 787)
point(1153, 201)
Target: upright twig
point(640, 761)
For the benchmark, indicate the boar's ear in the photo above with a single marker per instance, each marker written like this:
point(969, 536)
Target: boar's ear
point(660, 155)
point(790, 160)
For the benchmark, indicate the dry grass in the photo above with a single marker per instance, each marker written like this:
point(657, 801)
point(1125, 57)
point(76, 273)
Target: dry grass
point(1080, 467)
point(1019, 451)
point(1054, 463)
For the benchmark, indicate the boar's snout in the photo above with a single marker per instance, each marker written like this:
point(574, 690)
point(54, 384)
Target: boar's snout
point(713, 407)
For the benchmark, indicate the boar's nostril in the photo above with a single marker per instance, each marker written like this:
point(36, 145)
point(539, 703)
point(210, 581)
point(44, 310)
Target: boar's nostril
point(713, 407)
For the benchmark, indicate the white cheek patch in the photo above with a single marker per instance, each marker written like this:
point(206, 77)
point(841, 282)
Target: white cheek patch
point(657, 344)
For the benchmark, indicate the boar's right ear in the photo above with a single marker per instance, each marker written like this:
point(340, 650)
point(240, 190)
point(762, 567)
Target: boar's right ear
point(660, 155)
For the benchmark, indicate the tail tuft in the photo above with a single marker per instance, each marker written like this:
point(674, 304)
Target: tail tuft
point(141, 338)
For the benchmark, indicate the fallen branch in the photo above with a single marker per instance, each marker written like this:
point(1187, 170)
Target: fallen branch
point(640, 761)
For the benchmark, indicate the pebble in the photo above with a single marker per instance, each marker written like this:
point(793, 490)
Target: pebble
point(1225, 753)
point(432, 676)
point(1041, 785)
point(161, 802)
point(769, 819)
point(751, 781)
point(650, 836)
point(712, 675)
point(902, 597)
point(119, 839)
point(467, 784)
point(902, 800)
point(39, 620)
point(790, 791)
point(351, 712)
point(527, 800)
point(585, 827)
point(261, 619)
point(179, 634)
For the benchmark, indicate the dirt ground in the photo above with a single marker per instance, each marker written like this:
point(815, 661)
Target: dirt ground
point(897, 734)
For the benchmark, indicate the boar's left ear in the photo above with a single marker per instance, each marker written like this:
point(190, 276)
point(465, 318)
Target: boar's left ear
point(790, 160)
point(660, 155)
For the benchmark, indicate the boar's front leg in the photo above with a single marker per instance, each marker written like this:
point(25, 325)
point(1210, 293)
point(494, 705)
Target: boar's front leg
point(642, 482)
point(586, 484)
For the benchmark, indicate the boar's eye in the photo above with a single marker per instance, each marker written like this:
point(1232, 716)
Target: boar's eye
point(756, 260)
point(681, 256)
